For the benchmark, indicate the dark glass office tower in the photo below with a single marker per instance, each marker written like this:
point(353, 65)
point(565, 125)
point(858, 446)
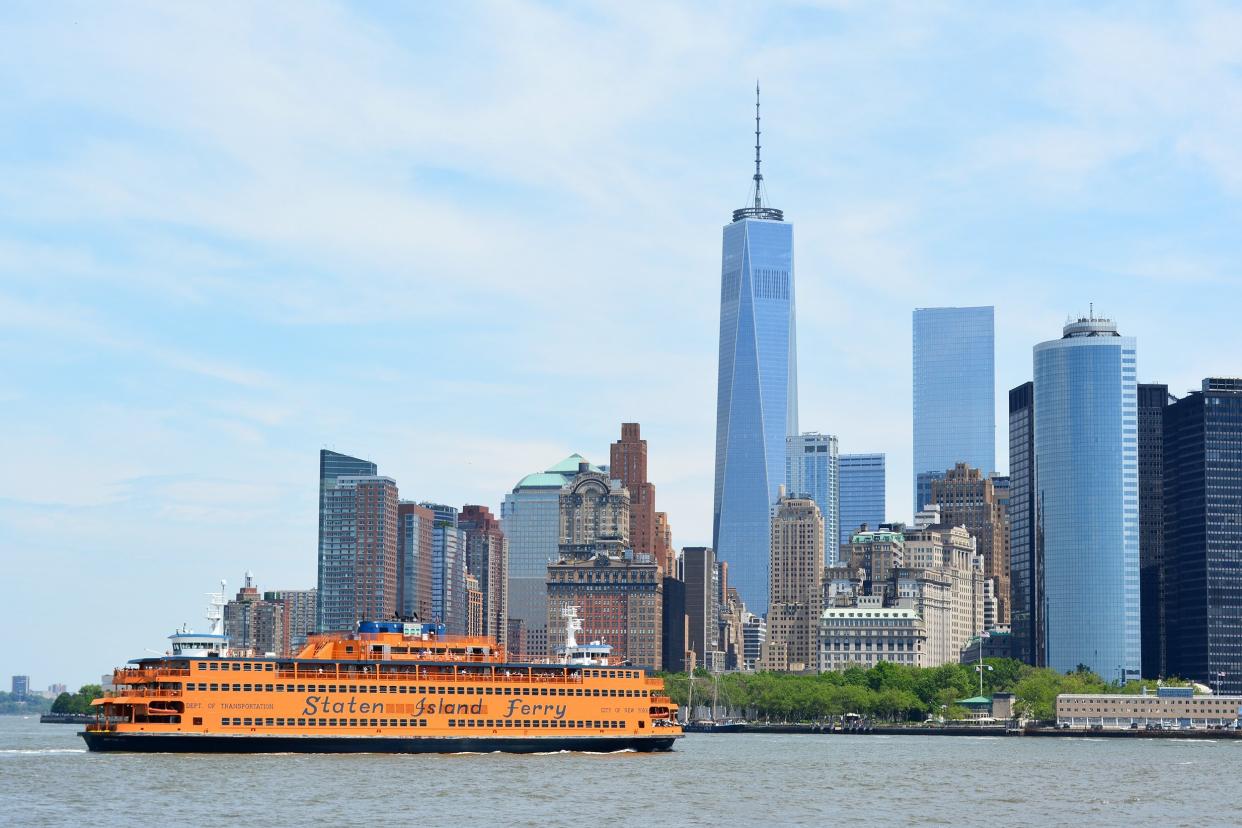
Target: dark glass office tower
point(757, 386)
point(1152, 400)
point(1203, 535)
point(1026, 584)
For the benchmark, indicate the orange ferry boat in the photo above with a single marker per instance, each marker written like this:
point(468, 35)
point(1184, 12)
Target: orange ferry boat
point(389, 687)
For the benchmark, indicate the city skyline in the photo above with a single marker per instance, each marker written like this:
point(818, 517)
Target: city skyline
point(201, 289)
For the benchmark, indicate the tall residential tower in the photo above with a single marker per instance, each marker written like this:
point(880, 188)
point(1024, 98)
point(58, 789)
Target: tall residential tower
point(757, 385)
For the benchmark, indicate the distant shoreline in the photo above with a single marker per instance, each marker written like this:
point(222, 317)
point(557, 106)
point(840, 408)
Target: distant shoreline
point(965, 730)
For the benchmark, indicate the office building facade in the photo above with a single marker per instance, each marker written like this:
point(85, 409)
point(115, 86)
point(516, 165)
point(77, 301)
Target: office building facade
point(811, 470)
point(757, 387)
point(1086, 461)
point(1152, 401)
point(1203, 535)
point(954, 394)
point(1026, 562)
point(699, 574)
point(795, 597)
point(861, 482)
point(967, 498)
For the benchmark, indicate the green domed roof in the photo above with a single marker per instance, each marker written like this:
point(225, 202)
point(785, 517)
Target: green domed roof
point(557, 476)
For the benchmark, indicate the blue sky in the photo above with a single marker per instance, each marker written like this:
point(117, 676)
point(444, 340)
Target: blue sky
point(467, 240)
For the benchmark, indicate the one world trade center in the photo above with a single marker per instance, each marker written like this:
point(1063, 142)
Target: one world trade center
point(757, 391)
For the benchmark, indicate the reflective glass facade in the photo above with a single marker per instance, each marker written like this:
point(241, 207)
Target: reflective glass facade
point(1152, 400)
point(811, 471)
point(757, 396)
point(1086, 470)
point(954, 394)
point(1026, 575)
point(861, 500)
point(1203, 535)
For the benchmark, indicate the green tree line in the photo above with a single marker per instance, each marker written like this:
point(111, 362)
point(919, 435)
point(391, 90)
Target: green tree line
point(11, 705)
point(79, 702)
point(890, 692)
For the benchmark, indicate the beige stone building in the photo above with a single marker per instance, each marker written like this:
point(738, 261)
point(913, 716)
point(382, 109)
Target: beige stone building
point(866, 632)
point(966, 497)
point(1167, 708)
point(931, 570)
point(795, 590)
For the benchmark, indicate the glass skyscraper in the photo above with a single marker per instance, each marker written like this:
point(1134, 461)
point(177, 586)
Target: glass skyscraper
point(757, 388)
point(954, 394)
point(861, 481)
point(811, 471)
point(1026, 563)
point(1203, 535)
point(1086, 472)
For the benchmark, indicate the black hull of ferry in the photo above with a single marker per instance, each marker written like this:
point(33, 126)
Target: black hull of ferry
point(199, 743)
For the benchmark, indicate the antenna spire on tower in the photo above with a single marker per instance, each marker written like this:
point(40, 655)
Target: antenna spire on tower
point(755, 209)
point(758, 174)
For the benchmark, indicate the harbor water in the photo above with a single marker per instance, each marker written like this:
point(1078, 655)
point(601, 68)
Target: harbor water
point(48, 778)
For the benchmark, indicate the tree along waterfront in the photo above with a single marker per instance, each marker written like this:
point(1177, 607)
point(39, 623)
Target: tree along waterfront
point(890, 692)
point(79, 702)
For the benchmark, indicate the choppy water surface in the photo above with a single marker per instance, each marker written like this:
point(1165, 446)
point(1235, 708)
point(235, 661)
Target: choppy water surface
point(47, 778)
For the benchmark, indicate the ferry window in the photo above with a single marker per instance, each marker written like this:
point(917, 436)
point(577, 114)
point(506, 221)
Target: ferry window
point(280, 688)
point(641, 724)
point(331, 722)
point(452, 723)
point(353, 722)
point(301, 688)
point(246, 666)
point(237, 688)
point(375, 723)
point(246, 721)
point(267, 687)
point(268, 666)
point(422, 722)
point(201, 665)
point(247, 687)
point(267, 722)
point(301, 722)
point(215, 666)
point(324, 722)
point(214, 687)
